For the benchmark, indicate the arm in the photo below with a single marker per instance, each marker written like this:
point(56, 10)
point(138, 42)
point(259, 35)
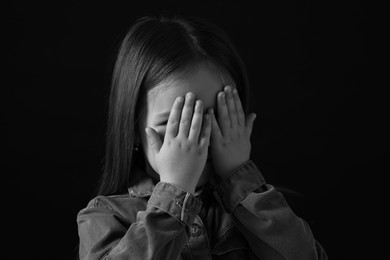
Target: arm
point(272, 230)
point(262, 214)
point(160, 232)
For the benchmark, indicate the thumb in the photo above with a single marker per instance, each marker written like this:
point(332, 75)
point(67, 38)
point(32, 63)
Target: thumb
point(153, 139)
point(249, 122)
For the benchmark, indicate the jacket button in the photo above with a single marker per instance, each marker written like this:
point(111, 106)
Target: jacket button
point(196, 230)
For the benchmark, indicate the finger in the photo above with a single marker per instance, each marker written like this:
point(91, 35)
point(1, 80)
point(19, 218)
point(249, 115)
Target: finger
point(174, 118)
point(186, 115)
point(239, 109)
point(153, 139)
point(204, 138)
point(223, 114)
point(196, 124)
point(231, 106)
point(215, 131)
point(249, 122)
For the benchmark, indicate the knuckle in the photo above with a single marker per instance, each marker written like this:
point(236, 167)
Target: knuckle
point(199, 152)
point(178, 144)
point(173, 121)
point(187, 147)
point(225, 119)
point(184, 121)
point(226, 141)
point(190, 103)
point(195, 128)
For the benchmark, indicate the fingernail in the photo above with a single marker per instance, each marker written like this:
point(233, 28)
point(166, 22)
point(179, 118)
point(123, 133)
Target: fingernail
point(189, 95)
point(179, 99)
point(227, 88)
point(235, 91)
point(223, 96)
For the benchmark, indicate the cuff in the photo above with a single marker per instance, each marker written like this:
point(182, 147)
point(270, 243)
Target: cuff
point(244, 180)
point(176, 202)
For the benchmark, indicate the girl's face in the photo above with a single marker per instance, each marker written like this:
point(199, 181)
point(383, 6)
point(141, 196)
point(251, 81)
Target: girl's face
point(205, 83)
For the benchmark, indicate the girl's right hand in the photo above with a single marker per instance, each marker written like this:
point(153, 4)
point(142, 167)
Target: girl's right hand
point(181, 158)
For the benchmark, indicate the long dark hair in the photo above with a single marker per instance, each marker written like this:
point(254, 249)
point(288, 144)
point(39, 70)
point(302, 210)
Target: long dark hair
point(154, 48)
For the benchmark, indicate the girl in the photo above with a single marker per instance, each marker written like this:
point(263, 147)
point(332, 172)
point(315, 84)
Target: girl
point(178, 181)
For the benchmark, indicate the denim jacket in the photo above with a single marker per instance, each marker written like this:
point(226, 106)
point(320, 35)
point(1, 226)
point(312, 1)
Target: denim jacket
point(241, 217)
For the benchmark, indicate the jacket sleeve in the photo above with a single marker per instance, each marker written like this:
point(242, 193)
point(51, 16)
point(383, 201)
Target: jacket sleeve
point(262, 214)
point(160, 232)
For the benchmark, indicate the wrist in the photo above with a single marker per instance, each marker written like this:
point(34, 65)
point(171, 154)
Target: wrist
point(226, 170)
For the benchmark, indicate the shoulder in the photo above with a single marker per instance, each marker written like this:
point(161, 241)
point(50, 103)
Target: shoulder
point(111, 202)
point(121, 205)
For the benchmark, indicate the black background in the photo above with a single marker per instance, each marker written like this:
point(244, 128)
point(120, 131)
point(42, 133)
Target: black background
point(318, 131)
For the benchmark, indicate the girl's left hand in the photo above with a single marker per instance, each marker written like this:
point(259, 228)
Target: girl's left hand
point(230, 136)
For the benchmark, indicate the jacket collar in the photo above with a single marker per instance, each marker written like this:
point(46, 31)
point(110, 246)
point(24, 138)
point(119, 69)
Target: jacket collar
point(144, 187)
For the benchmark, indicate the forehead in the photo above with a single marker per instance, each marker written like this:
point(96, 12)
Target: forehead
point(205, 83)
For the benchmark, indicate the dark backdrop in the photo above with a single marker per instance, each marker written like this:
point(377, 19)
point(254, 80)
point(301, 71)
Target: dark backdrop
point(308, 61)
